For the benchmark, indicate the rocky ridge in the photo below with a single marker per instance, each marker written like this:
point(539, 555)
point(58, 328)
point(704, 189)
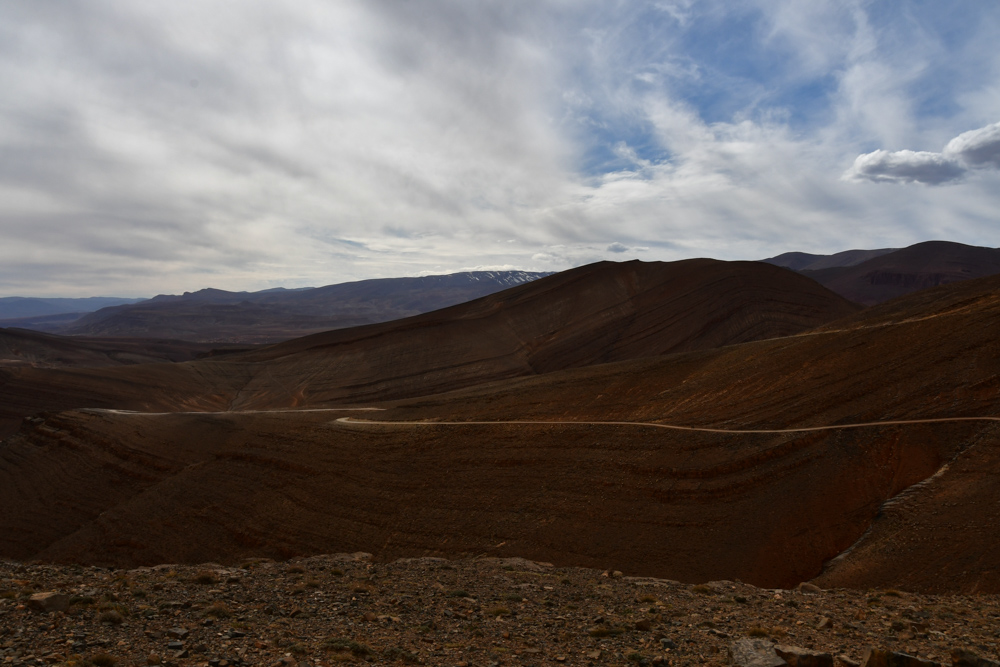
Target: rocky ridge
point(483, 611)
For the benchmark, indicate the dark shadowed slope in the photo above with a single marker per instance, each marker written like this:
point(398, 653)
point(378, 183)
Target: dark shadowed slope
point(908, 270)
point(274, 315)
point(804, 261)
point(21, 346)
point(767, 508)
point(594, 314)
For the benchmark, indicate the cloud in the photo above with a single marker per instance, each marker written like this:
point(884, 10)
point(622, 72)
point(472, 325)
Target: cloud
point(976, 149)
point(331, 141)
point(905, 167)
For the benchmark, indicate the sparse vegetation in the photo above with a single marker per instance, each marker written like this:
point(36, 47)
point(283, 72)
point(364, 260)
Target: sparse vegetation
point(399, 654)
point(111, 617)
point(341, 644)
point(205, 578)
point(218, 610)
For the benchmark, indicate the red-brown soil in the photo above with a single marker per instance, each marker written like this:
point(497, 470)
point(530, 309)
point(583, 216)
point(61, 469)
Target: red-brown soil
point(33, 348)
point(769, 509)
point(598, 313)
point(343, 608)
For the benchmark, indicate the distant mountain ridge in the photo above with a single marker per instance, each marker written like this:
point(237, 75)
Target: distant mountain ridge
point(213, 315)
point(18, 307)
point(871, 277)
point(804, 261)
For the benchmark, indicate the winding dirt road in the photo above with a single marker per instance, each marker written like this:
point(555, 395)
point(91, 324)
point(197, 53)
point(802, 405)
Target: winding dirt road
point(672, 427)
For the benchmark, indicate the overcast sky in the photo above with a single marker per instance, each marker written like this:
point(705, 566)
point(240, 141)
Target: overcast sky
point(160, 146)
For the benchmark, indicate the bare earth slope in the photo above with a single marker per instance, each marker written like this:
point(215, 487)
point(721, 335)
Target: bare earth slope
point(21, 346)
point(905, 271)
point(598, 313)
point(769, 508)
point(269, 316)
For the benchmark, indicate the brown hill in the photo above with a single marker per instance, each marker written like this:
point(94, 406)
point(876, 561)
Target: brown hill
point(269, 316)
point(918, 267)
point(21, 346)
point(770, 508)
point(593, 314)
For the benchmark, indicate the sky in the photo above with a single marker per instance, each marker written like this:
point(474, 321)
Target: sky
point(162, 146)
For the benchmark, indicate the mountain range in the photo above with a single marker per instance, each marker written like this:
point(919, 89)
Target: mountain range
point(218, 316)
point(870, 277)
point(695, 420)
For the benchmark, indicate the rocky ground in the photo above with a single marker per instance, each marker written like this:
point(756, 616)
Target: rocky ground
point(345, 608)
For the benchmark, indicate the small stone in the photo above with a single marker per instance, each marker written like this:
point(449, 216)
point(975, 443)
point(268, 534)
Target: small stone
point(754, 653)
point(961, 657)
point(810, 589)
point(668, 643)
point(847, 661)
point(882, 658)
point(178, 633)
point(183, 653)
point(175, 646)
point(370, 617)
point(153, 659)
point(594, 655)
point(48, 602)
point(643, 625)
point(824, 623)
point(800, 657)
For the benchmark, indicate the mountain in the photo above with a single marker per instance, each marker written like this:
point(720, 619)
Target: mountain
point(803, 261)
point(594, 314)
point(908, 270)
point(869, 277)
point(19, 307)
point(695, 420)
point(212, 315)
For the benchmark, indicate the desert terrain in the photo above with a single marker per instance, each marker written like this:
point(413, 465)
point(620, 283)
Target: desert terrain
point(689, 422)
point(345, 608)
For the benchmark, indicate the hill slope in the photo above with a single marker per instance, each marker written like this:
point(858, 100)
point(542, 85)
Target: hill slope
point(769, 508)
point(908, 270)
point(21, 346)
point(269, 316)
point(594, 314)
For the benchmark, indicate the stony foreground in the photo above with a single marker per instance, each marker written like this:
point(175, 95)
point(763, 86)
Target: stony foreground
point(345, 608)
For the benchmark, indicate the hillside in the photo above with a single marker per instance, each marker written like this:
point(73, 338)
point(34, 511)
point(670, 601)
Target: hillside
point(804, 261)
point(769, 507)
point(212, 315)
point(18, 307)
point(909, 270)
point(33, 348)
point(594, 314)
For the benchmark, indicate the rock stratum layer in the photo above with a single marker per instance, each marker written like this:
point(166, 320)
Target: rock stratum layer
point(228, 479)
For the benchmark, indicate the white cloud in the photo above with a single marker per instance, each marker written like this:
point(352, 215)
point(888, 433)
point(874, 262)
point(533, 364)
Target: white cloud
point(905, 167)
point(370, 138)
point(976, 149)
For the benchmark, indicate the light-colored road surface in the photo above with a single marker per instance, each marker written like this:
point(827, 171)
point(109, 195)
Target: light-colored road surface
point(672, 427)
